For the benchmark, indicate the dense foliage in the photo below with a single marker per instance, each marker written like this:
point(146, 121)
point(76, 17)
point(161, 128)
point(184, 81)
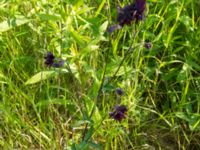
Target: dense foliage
point(100, 74)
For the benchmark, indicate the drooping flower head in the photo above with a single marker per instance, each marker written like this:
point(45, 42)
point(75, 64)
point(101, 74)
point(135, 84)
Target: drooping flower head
point(129, 13)
point(49, 59)
point(119, 113)
point(125, 15)
point(59, 63)
point(119, 91)
point(139, 7)
point(134, 11)
point(148, 45)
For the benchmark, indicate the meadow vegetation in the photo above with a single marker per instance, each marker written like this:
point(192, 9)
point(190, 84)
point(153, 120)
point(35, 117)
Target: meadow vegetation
point(63, 75)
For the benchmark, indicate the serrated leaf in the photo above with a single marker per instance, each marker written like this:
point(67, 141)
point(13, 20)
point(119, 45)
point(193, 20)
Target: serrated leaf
point(43, 75)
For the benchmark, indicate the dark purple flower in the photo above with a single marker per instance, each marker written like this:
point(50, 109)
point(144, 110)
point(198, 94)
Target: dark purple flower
point(119, 91)
point(131, 12)
point(139, 7)
point(147, 45)
point(125, 15)
point(58, 64)
point(49, 59)
point(113, 28)
point(119, 113)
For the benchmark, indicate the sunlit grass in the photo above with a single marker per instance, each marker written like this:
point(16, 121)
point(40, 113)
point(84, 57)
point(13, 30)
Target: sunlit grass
point(68, 108)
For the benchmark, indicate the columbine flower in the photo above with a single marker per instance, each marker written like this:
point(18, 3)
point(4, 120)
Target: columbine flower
point(147, 45)
point(49, 59)
point(58, 64)
point(125, 15)
point(139, 7)
point(119, 91)
point(119, 113)
point(129, 13)
point(113, 28)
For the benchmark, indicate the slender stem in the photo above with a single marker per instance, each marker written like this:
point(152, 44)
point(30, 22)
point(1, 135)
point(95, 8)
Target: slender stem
point(102, 80)
point(122, 61)
point(99, 91)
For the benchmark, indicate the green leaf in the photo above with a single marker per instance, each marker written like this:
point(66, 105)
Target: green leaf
point(53, 101)
point(83, 146)
point(76, 3)
point(193, 64)
point(101, 6)
point(43, 75)
point(52, 17)
point(78, 38)
point(2, 78)
point(89, 134)
point(170, 74)
point(192, 119)
point(183, 75)
point(103, 27)
point(96, 114)
point(95, 146)
point(73, 147)
point(194, 123)
point(113, 67)
point(14, 22)
point(186, 20)
point(80, 123)
point(182, 115)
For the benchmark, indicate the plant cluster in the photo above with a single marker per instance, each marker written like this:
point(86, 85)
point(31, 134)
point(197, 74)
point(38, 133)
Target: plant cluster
point(91, 74)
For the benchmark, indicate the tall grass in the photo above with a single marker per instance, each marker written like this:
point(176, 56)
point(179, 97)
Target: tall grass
point(68, 107)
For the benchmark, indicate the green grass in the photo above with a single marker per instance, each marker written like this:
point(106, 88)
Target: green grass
point(42, 108)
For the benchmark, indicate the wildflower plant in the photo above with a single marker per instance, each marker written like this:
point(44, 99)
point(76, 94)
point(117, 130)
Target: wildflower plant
point(51, 61)
point(99, 89)
point(119, 113)
point(128, 14)
point(119, 91)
